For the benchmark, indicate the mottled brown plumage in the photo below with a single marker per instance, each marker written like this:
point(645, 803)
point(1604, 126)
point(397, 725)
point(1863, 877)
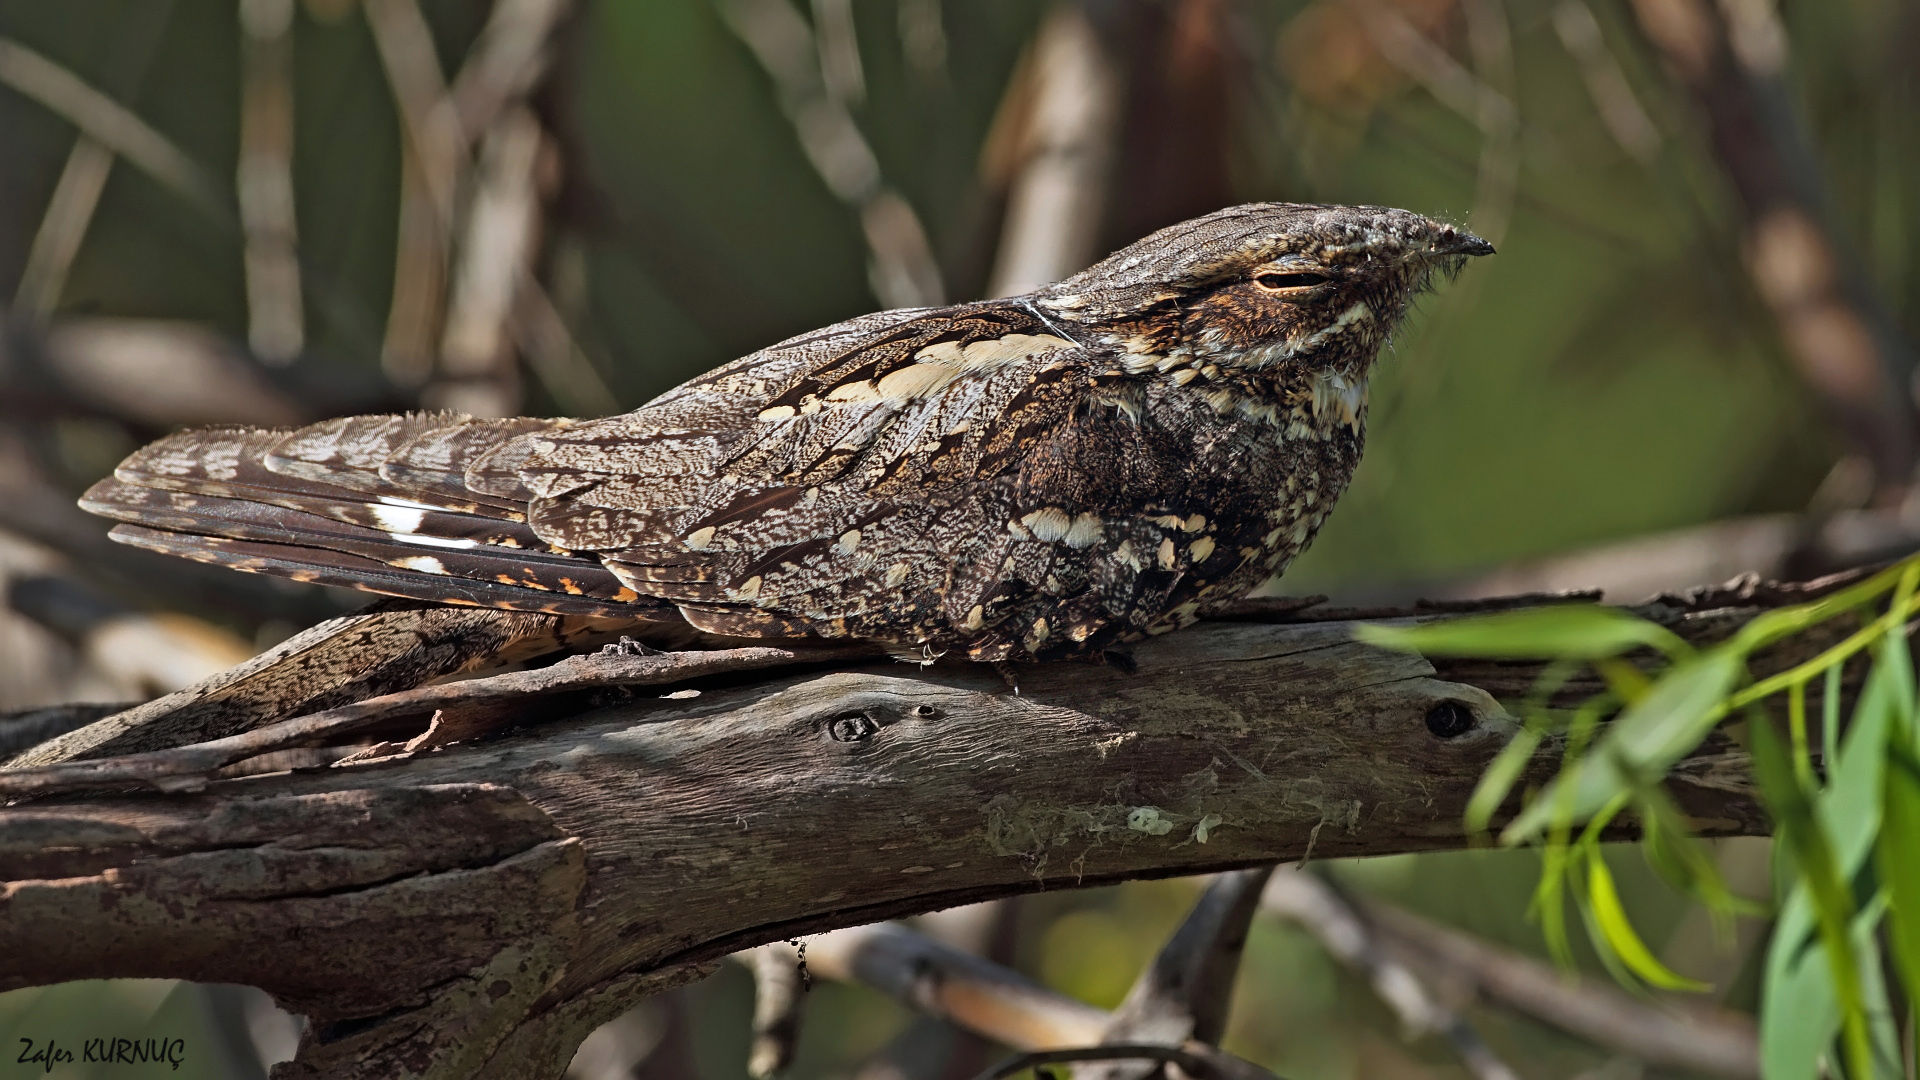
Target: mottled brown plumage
point(1042, 476)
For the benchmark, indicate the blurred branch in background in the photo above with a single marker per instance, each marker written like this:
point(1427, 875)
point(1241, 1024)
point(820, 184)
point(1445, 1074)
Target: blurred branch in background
point(62, 227)
point(1620, 109)
point(1425, 972)
point(109, 123)
point(817, 77)
point(1051, 149)
point(1187, 991)
point(1732, 59)
point(779, 980)
point(276, 324)
point(1317, 908)
point(477, 374)
point(478, 223)
point(433, 149)
point(1482, 96)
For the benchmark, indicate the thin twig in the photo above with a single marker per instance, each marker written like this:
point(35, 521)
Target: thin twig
point(111, 124)
point(1620, 110)
point(777, 997)
point(434, 152)
point(276, 328)
point(1476, 95)
point(555, 355)
point(903, 271)
point(1196, 1059)
point(498, 241)
point(1732, 59)
point(1697, 1038)
point(505, 61)
point(62, 227)
point(1186, 992)
point(460, 710)
point(76, 195)
point(1323, 912)
point(1052, 144)
point(953, 985)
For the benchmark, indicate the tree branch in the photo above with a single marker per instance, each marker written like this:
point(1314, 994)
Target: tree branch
point(476, 910)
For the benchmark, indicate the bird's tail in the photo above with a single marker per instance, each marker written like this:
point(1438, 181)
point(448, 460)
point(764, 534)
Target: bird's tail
point(424, 505)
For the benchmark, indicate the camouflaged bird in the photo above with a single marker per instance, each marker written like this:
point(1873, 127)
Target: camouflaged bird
point(1043, 476)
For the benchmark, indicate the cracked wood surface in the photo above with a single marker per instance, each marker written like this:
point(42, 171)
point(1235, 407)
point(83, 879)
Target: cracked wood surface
point(478, 909)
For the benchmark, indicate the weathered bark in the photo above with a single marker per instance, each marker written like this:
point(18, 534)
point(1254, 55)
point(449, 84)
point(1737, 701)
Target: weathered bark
point(475, 910)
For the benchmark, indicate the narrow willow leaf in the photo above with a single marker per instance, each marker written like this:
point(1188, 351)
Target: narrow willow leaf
point(1799, 1014)
point(1849, 807)
point(1679, 858)
point(1618, 933)
point(1898, 861)
point(1883, 1026)
point(1824, 892)
point(1559, 631)
point(1549, 900)
point(1830, 717)
point(1627, 682)
point(1642, 744)
point(1502, 773)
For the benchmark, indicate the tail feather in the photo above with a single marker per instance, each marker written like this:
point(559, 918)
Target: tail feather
point(348, 452)
point(322, 567)
point(438, 467)
point(325, 504)
point(496, 472)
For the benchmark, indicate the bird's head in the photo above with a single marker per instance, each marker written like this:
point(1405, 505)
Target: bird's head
point(1267, 290)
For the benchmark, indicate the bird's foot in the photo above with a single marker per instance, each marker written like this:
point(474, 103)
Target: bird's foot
point(627, 646)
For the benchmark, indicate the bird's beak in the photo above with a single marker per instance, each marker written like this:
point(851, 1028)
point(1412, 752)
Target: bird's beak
point(1450, 241)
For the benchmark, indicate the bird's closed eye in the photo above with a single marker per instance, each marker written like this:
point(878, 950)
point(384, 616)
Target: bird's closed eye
point(1276, 281)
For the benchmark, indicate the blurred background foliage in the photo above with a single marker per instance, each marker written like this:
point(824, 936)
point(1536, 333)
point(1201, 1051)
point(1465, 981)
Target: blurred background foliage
point(662, 185)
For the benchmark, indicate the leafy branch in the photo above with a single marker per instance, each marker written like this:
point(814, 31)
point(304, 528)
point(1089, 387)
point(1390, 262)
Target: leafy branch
point(1846, 819)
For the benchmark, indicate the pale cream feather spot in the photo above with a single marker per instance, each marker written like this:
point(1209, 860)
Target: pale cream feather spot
point(222, 462)
point(434, 541)
point(397, 519)
point(423, 563)
point(1048, 523)
point(1086, 529)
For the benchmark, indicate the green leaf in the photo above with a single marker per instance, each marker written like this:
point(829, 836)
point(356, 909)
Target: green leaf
point(1898, 862)
point(1821, 889)
point(1498, 780)
point(1559, 631)
point(1679, 858)
point(1799, 1014)
point(1642, 744)
point(1849, 807)
point(1618, 933)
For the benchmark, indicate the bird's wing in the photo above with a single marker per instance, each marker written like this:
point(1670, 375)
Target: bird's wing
point(808, 481)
